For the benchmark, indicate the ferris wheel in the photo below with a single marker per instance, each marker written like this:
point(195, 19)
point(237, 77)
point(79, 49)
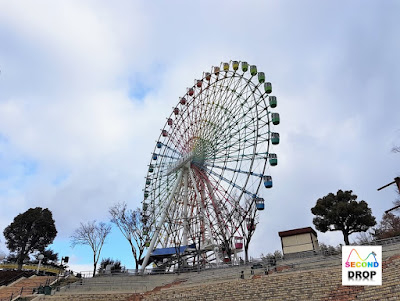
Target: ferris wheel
point(211, 159)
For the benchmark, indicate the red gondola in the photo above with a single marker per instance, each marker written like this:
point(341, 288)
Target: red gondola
point(238, 242)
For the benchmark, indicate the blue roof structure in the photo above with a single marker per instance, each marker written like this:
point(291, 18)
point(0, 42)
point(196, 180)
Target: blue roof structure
point(171, 251)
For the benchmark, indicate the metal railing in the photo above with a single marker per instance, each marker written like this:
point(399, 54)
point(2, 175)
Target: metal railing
point(155, 271)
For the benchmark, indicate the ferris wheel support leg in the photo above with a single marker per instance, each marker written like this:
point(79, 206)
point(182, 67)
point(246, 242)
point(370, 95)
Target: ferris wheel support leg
point(160, 223)
point(216, 208)
point(185, 205)
point(235, 257)
point(202, 212)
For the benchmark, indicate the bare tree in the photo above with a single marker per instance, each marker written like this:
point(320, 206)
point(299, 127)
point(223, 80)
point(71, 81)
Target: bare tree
point(93, 235)
point(175, 236)
point(249, 226)
point(363, 238)
point(388, 227)
point(130, 223)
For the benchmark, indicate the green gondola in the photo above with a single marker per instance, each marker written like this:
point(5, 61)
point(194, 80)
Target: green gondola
point(273, 159)
point(272, 101)
point(268, 87)
point(245, 66)
point(261, 77)
point(253, 70)
point(275, 118)
point(275, 138)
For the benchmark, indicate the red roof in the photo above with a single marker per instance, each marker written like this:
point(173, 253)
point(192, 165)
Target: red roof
point(297, 231)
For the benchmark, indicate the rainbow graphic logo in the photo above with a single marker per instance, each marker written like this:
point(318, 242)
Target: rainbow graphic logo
point(361, 265)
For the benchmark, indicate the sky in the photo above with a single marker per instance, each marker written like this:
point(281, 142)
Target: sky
point(86, 86)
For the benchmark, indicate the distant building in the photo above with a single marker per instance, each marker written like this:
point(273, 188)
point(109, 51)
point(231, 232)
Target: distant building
point(299, 240)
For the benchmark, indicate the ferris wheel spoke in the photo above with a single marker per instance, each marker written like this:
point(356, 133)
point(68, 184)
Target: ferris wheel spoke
point(239, 108)
point(170, 149)
point(161, 222)
point(200, 201)
point(236, 170)
point(234, 185)
point(242, 157)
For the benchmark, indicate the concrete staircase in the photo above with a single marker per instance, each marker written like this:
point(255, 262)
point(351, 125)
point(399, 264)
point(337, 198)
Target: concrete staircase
point(314, 284)
point(23, 286)
point(316, 278)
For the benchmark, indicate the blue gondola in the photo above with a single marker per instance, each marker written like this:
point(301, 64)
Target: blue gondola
point(267, 181)
point(259, 203)
point(159, 144)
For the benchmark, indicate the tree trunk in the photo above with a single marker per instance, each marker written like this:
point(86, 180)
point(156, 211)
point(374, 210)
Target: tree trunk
point(20, 261)
point(246, 254)
point(94, 264)
point(134, 256)
point(346, 238)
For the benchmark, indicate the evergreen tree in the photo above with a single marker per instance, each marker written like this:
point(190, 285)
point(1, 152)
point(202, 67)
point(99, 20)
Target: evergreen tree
point(341, 212)
point(30, 231)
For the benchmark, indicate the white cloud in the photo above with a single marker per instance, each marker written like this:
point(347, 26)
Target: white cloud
point(86, 87)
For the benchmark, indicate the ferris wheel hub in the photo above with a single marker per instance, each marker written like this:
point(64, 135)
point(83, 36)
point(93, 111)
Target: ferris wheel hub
point(180, 163)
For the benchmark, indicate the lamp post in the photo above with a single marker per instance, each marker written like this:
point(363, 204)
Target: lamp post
point(65, 260)
point(40, 257)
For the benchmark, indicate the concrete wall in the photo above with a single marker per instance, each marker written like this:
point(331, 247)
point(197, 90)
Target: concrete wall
point(299, 243)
